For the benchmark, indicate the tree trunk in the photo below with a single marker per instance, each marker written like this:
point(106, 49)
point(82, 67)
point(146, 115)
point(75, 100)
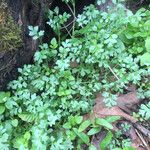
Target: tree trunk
point(25, 13)
point(32, 13)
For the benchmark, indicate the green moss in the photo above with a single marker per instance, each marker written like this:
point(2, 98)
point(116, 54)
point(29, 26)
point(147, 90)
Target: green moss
point(10, 32)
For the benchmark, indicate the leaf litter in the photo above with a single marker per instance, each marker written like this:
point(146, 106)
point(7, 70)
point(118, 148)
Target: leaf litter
point(139, 135)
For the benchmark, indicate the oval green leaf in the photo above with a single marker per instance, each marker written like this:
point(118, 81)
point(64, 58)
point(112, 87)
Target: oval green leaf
point(147, 44)
point(104, 123)
point(27, 117)
point(78, 119)
point(92, 147)
point(111, 119)
point(2, 109)
point(106, 141)
point(84, 125)
point(82, 136)
point(145, 59)
point(94, 131)
point(67, 125)
point(14, 122)
point(4, 96)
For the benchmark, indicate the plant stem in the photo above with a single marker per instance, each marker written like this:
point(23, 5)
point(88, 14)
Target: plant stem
point(74, 11)
point(59, 38)
point(113, 73)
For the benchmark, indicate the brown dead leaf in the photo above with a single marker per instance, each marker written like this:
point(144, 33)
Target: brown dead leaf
point(74, 64)
point(124, 102)
point(127, 101)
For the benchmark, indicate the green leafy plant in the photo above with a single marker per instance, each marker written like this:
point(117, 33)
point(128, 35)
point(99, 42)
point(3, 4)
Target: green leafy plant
point(3, 98)
point(119, 141)
point(144, 111)
point(125, 127)
point(56, 21)
point(106, 141)
point(50, 97)
point(35, 33)
point(137, 32)
point(84, 129)
point(4, 136)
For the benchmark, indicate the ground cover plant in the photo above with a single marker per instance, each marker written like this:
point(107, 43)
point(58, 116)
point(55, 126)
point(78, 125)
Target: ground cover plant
point(104, 52)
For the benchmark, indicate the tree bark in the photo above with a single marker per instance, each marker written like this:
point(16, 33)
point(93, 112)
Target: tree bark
point(25, 13)
point(32, 13)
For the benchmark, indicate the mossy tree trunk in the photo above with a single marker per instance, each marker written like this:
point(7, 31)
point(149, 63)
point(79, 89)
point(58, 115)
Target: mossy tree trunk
point(25, 13)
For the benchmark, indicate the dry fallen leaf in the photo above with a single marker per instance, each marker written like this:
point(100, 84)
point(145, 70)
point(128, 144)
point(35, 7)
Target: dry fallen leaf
point(74, 64)
point(124, 101)
point(127, 101)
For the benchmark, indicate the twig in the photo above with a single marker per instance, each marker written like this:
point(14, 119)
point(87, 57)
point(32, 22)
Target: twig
point(143, 130)
point(74, 15)
point(116, 76)
point(141, 138)
point(71, 10)
point(113, 73)
point(68, 31)
point(64, 27)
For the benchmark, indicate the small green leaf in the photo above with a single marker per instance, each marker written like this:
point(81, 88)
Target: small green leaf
point(106, 141)
point(92, 147)
point(41, 33)
point(4, 96)
point(27, 135)
point(67, 125)
point(18, 142)
point(84, 125)
point(35, 37)
point(147, 44)
point(111, 119)
point(129, 148)
point(82, 136)
point(114, 1)
point(14, 122)
point(103, 122)
point(72, 135)
point(145, 59)
point(94, 131)
point(2, 109)
point(27, 117)
point(36, 28)
point(78, 119)
point(54, 43)
point(129, 35)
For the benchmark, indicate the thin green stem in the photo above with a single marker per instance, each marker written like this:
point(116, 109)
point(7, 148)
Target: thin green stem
point(73, 11)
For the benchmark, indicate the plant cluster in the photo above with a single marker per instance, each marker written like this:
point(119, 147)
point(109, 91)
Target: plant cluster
point(144, 111)
point(50, 97)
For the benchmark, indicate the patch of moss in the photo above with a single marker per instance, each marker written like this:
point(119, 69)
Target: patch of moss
point(10, 32)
